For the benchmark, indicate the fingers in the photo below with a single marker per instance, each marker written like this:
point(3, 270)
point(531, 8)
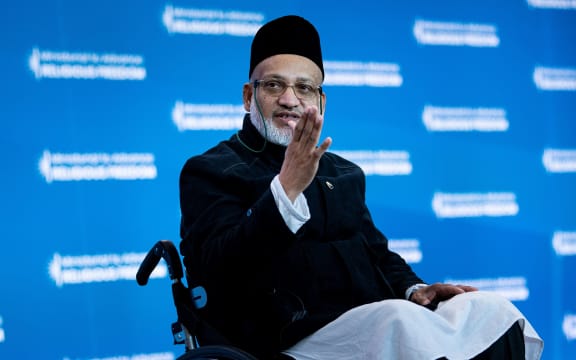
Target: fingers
point(325, 145)
point(424, 296)
point(430, 296)
point(451, 290)
point(302, 156)
point(439, 292)
point(307, 130)
point(467, 288)
point(447, 289)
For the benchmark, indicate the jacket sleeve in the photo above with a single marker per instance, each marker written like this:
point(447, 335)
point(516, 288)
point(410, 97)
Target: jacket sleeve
point(392, 266)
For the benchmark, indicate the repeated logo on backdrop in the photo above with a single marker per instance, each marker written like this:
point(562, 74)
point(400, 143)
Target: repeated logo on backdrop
point(97, 166)
point(137, 356)
point(2, 334)
point(379, 162)
point(207, 116)
point(437, 118)
point(73, 65)
point(451, 205)
point(409, 249)
point(85, 269)
point(559, 160)
point(512, 288)
point(569, 326)
point(564, 243)
point(553, 4)
point(455, 34)
point(553, 78)
point(211, 21)
point(353, 73)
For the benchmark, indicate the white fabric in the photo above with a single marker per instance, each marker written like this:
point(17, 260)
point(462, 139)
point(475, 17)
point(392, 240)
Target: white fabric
point(460, 328)
point(294, 214)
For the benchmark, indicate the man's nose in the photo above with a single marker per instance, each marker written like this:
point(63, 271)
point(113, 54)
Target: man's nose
point(288, 97)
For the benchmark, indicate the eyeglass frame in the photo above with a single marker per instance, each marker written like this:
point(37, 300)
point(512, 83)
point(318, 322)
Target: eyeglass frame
point(317, 88)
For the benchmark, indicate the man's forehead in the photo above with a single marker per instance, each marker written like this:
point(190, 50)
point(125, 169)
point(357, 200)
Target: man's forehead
point(290, 67)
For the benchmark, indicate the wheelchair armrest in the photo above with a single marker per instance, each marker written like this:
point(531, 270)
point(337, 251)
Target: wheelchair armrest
point(162, 249)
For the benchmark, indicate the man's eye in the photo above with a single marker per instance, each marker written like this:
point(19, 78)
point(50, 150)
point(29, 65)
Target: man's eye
point(305, 88)
point(273, 84)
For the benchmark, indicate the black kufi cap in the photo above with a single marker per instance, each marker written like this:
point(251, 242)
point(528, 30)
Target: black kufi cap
point(286, 35)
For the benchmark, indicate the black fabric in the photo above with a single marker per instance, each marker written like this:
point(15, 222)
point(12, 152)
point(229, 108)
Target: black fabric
point(509, 346)
point(268, 287)
point(283, 357)
point(286, 35)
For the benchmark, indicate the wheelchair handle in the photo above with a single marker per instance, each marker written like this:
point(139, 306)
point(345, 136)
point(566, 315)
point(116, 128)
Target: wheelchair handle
point(162, 249)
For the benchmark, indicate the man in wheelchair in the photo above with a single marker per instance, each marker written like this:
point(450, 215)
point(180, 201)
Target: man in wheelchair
point(276, 229)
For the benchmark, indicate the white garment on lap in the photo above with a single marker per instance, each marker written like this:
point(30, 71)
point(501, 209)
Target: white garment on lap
point(460, 328)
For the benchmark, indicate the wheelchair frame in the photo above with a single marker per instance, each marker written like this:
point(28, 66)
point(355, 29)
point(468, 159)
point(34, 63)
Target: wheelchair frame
point(189, 329)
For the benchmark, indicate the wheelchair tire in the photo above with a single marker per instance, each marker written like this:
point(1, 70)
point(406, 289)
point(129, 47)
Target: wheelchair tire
point(216, 352)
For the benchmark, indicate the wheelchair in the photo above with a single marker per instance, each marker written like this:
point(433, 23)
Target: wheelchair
point(201, 341)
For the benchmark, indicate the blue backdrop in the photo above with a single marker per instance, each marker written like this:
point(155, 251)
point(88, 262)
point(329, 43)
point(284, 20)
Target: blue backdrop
point(461, 113)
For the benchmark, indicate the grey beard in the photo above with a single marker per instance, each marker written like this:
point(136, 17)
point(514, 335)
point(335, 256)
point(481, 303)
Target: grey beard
point(267, 129)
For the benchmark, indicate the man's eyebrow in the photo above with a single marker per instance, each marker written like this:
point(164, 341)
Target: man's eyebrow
point(305, 79)
point(298, 79)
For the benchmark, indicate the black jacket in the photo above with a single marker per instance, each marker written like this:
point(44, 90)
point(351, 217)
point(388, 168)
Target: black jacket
point(267, 287)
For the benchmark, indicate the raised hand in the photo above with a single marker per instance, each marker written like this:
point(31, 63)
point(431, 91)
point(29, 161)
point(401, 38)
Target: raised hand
point(302, 154)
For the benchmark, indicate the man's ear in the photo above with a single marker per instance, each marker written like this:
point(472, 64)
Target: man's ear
point(247, 96)
point(322, 103)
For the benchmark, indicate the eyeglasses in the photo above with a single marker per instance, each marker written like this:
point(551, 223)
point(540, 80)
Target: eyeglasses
point(276, 87)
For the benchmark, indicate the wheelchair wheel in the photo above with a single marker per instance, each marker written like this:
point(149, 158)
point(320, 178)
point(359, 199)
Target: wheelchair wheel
point(215, 352)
